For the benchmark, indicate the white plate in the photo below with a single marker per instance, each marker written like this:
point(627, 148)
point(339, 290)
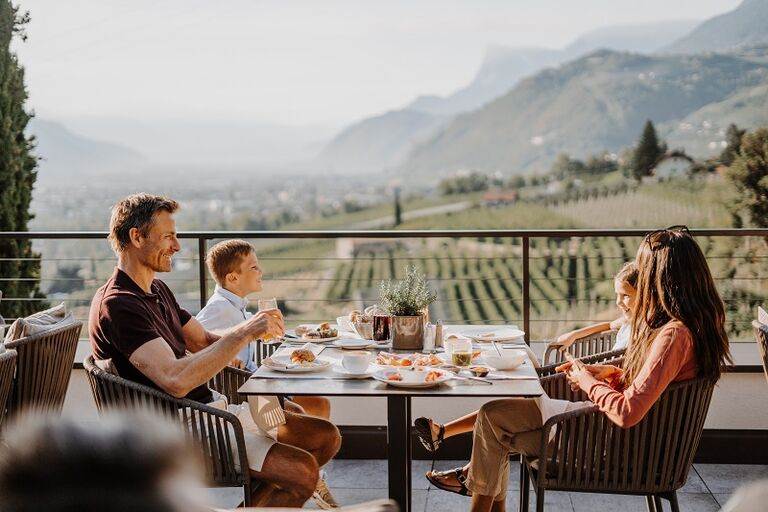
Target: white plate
point(498, 335)
point(411, 378)
point(281, 364)
point(340, 370)
point(313, 340)
point(353, 344)
point(317, 340)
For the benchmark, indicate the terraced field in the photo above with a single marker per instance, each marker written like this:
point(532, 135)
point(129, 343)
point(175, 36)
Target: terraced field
point(480, 280)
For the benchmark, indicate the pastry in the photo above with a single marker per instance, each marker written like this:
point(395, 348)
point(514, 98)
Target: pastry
point(302, 355)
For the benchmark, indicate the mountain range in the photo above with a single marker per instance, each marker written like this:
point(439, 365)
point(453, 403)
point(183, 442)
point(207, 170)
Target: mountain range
point(580, 105)
point(360, 147)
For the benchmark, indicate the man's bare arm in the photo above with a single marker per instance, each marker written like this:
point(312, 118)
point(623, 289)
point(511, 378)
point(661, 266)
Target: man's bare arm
point(197, 337)
point(178, 377)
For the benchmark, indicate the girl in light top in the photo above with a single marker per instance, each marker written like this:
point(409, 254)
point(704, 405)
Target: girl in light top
point(678, 333)
point(432, 434)
point(625, 286)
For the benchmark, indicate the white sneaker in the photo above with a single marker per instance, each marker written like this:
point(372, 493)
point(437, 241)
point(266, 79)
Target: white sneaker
point(323, 497)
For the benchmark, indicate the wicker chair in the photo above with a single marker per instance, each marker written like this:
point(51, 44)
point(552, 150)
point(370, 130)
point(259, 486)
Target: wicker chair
point(214, 431)
point(7, 368)
point(43, 368)
point(588, 453)
point(264, 349)
point(228, 381)
point(761, 337)
point(582, 347)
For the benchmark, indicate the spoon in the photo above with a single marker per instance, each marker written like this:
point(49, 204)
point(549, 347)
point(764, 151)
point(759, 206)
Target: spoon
point(497, 349)
point(455, 371)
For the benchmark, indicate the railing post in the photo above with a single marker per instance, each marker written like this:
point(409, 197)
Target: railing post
point(526, 290)
point(202, 248)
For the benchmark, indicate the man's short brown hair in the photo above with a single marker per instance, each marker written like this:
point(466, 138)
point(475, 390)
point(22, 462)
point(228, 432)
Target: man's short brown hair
point(136, 211)
point(224, 257)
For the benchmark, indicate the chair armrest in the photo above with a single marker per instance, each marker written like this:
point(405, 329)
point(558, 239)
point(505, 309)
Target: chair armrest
point(583, 347)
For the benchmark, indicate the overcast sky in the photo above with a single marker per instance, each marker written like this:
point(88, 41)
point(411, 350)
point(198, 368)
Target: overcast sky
point(298, 62)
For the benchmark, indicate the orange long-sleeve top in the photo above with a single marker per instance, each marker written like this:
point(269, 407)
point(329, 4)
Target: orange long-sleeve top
point(671, 358)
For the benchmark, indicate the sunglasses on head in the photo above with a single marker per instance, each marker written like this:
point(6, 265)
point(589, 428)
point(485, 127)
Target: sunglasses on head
point(654, 245)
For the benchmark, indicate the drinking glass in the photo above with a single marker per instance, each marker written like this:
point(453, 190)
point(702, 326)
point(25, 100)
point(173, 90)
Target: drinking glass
point(382, 328)
point(265, 304)
point(461, 355)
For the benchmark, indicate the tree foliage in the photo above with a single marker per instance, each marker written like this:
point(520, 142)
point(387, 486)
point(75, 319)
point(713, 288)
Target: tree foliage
point(17, 173)
point(647, 152)
point(749, 172)
point(733, 136)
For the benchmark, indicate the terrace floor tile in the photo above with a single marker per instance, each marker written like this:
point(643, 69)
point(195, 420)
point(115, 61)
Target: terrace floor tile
point(726, 478)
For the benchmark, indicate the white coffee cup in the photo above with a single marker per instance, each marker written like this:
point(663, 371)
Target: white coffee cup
point(356, 362)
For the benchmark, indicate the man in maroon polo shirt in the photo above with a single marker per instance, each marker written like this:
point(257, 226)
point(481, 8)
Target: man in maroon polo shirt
point(136, 323)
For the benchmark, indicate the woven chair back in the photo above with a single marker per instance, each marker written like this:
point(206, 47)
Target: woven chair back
point(217, 433)
point(228, 381)
point(7, 370)
point(43, 368)
point(590, 453)
point(583, 347)
point(761, 337)
point(265, 349)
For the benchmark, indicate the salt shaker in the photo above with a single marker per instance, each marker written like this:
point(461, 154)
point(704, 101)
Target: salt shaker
point(439, 334)
point(429, 337)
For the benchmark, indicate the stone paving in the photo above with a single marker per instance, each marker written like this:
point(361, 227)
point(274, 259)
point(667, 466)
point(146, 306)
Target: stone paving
point(709, 486)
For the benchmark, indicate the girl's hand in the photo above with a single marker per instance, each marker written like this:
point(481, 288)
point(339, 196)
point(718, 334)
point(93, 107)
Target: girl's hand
point(566, 340)
point(576, 372)
point(603, 371)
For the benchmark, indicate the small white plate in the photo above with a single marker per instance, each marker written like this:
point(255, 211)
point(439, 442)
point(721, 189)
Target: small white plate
point(352, 344)
point(317, 340)
point(499, 335)
point(284, 364)
point(343, 372)
point(412, 378)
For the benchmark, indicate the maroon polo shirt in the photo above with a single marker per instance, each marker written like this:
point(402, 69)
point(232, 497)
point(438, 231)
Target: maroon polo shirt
point(124, 317)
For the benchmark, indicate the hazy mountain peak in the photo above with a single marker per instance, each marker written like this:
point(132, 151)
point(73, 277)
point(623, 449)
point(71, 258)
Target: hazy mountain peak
point(744, 26)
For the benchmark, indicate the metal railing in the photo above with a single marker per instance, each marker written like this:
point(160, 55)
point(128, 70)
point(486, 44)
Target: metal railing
point(523, 251)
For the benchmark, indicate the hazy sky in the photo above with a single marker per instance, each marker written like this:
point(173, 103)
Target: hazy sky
point(299, 62)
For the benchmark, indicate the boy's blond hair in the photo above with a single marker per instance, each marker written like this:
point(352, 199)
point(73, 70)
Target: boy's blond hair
point(224, 258)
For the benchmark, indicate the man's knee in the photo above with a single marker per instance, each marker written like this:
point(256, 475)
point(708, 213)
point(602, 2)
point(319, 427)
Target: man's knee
point(331, 437)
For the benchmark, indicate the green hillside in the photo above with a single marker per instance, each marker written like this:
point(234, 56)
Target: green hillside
point(702, 132)
point(591, 104)
point(480, 280)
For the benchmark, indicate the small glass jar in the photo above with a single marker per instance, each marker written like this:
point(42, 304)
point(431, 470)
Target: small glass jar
point(461, 353)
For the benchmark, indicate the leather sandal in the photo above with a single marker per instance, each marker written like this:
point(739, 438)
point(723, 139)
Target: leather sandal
point(460, 476)
point(424, 431)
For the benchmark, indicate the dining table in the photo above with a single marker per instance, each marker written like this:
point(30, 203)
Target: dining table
point(520, 382)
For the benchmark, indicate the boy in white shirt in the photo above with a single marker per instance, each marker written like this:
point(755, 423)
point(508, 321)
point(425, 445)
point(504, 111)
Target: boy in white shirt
point(235, 268)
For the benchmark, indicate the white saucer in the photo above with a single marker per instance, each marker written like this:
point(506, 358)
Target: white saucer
point(353, 344)
point(340, 370)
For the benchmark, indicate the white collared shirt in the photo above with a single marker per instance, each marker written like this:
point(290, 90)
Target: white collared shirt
point(225, 310)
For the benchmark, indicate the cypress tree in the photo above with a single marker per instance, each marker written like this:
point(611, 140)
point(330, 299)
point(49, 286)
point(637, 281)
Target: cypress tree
point(18, 263)
point(647, 152)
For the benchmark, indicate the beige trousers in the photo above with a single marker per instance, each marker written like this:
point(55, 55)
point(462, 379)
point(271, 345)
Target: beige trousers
point(504, 426)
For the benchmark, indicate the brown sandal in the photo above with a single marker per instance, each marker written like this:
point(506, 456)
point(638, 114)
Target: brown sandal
point(460, 476)
point(424, 431)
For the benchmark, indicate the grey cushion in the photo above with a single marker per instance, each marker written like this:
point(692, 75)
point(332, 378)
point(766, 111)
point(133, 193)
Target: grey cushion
point(41, 321)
